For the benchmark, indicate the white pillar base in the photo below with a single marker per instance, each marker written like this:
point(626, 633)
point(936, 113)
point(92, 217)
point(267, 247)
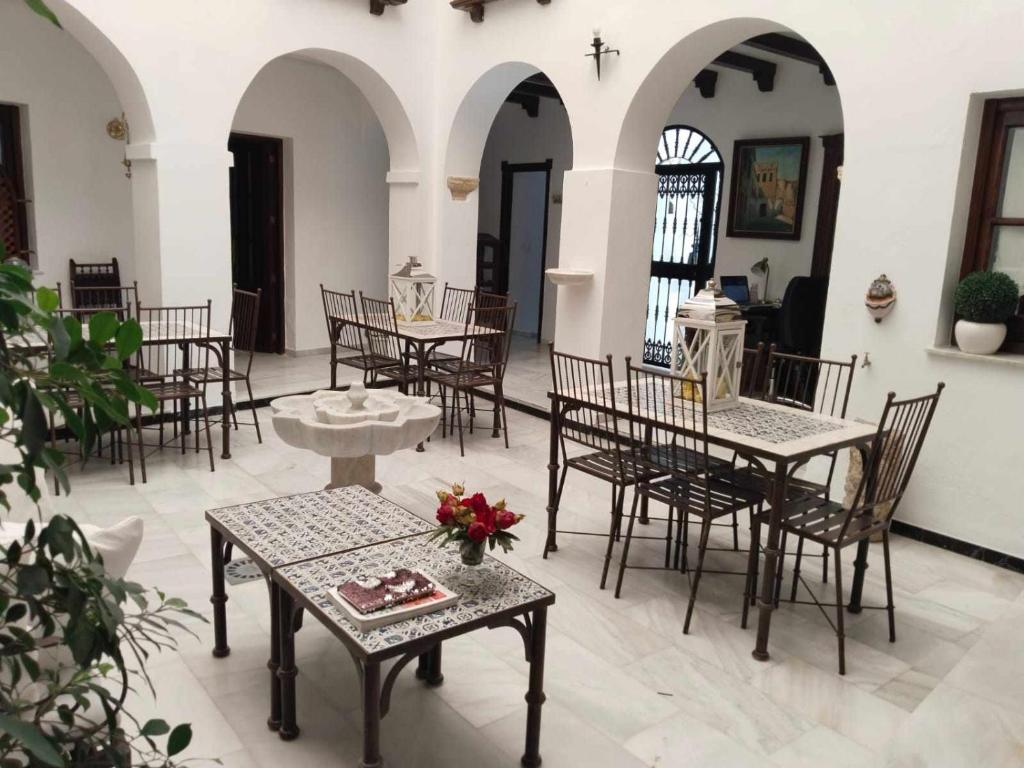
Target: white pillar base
point(361, 470)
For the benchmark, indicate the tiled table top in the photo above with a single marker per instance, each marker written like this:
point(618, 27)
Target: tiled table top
point(496, 589)
point(284, 530)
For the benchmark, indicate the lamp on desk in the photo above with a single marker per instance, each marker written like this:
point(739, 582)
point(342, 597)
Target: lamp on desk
point(761, 267)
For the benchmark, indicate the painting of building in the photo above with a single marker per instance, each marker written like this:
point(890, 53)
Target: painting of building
point(767, 188)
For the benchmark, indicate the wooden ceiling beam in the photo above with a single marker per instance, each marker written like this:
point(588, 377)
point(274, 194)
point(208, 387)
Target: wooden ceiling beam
point(475, 8)
point(762, 71)
point(792, 48)
point(706, 80)
point(377, 6)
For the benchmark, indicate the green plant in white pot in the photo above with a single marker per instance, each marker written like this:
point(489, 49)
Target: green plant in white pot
point(984, 301)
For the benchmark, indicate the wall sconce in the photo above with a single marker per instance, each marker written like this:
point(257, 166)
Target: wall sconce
point(118, 130)
point(600, 49)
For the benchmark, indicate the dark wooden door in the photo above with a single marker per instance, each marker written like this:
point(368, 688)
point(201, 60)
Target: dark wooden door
point(828, 205)
point(257, 235)
point(13, 211)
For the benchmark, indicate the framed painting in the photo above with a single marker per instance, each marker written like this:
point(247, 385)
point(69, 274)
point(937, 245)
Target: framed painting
point(766, 193)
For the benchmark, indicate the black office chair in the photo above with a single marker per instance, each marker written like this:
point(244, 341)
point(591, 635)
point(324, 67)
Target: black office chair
point(802, 316)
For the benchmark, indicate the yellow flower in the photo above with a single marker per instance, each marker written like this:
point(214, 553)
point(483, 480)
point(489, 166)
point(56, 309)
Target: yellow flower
point(457, 489)
point(464, 515)
point(500, 505)
point(442, 496)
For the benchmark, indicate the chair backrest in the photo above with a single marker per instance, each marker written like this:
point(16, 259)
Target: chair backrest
point(810, 383)
point(491, 349)
point(342, 305)
point(176, 339)
point(105, 296)
point(382, 327)
point(455, 303)
point(244, 324)
point(485, 299)
point(891, 460)
point(105, 274)
point(754, 376)
point(586, 402)
point(668, 419)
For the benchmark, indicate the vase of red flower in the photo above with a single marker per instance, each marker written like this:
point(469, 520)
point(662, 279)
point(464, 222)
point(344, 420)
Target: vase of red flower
point(474, 523)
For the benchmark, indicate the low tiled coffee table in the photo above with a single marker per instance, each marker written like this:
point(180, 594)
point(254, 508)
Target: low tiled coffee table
point(498, 596)
point(290, 529)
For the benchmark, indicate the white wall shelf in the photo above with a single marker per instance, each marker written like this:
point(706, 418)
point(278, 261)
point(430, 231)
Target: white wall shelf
point(569, 276)
point(1000, 358)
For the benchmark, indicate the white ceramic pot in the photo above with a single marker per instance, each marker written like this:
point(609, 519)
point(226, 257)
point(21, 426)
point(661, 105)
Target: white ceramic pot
point(979, 338)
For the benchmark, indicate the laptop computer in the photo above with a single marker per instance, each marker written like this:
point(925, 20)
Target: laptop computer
point(735, 287)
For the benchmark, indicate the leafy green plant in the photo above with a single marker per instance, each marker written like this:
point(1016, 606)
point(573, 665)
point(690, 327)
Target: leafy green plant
point(73, 640)
point(986, 297)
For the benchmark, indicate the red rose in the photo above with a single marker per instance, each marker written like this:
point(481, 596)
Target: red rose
point(506, 519)
point(477, 502)
point(476, 532)
point(444, 514)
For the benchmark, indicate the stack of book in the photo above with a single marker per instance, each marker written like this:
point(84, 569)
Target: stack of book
point(376, 601)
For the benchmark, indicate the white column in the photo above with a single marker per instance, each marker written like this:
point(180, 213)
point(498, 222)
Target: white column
point(607, 227)
point(184, 250)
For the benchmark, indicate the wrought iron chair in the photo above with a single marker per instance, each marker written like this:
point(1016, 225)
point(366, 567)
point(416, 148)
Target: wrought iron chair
point(481, 364)
point(105, 296)
point(668, 423)
point(104, 274)
point(809, 384)
point(242, 328)
point(455, 304)
point(889, 465)
point(384, 345)
point(587, 415)
point(177, 350)
point(347, 336)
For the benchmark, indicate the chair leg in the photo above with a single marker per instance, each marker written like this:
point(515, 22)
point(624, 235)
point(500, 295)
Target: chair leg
point(888, 587)
point(753, 557)
point(735, 533)
point(840, 611)
point(702, 548)
point(625, 545)
point(778, 574)
point(131, 461)
point(685, 514)
point(142, 443)
point(206, 421)
point(255, 417)
point(824, 565)
point(458, 411)
point(616, 514)
point(500, 396)
point(668, 537)
point(796, 566)
point(677, 559)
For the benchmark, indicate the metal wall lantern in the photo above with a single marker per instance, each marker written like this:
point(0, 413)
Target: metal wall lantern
point(412, 290)
point(708, 339)
point(600, 49)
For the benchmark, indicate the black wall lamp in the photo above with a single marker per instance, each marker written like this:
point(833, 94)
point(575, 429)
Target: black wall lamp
point(600, 49)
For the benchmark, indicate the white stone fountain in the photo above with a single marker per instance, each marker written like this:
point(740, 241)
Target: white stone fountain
point(354, 427)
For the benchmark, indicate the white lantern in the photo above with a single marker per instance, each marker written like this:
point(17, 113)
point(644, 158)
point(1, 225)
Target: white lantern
point(412, 290)
point(708, 338)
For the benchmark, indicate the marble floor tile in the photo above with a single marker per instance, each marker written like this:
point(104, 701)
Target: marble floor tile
point(682, 741)
point(821, 746)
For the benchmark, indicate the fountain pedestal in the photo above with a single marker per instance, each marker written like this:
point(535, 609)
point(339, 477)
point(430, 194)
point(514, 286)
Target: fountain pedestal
point(353, 428)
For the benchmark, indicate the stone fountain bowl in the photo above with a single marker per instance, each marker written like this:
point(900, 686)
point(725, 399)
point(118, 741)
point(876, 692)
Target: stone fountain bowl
point(354, 423)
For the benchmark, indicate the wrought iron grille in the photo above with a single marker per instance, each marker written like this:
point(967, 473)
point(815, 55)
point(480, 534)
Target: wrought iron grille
point(683, 256)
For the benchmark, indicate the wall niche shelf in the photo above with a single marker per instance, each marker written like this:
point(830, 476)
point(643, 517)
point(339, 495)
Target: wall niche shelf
point(569, 276)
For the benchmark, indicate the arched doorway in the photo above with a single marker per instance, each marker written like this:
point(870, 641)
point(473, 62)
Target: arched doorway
point(689, 168)
point(315, 139)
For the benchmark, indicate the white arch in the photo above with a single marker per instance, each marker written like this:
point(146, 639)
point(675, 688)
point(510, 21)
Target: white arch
point(402, 144)
point(113, 62)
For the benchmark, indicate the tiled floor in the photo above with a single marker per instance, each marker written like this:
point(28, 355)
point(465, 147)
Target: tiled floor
point(625, 687)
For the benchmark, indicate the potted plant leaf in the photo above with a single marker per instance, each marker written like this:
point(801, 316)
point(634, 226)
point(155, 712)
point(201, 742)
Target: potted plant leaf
point(983, 302)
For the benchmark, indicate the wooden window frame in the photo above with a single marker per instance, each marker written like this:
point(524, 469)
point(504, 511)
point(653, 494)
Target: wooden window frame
point(998, 116)
point(11, 119)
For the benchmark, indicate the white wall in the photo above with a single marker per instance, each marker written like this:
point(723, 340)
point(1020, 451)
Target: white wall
point(800, 105)
point(515, 137)
point(82, 206)
point(336, 196)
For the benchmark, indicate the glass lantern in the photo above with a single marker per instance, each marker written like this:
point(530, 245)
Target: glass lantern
point(708, 338)
point(412, 290)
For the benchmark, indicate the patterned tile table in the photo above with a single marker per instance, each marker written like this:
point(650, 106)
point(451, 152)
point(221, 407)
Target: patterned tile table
point(493, 595)
point(290, 529)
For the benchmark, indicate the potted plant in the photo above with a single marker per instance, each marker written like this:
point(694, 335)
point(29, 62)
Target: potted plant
point(474, 523)
point(983, 302)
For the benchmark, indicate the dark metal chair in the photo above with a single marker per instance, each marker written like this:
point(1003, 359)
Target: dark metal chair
point(242, 328)
point(105, 274)
point(585, 414)
point(177, 351)
point(347, 336)
point(887, 471)
point(104, 296)
point(384, 345)
point(481, 364)
point(668, 424)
